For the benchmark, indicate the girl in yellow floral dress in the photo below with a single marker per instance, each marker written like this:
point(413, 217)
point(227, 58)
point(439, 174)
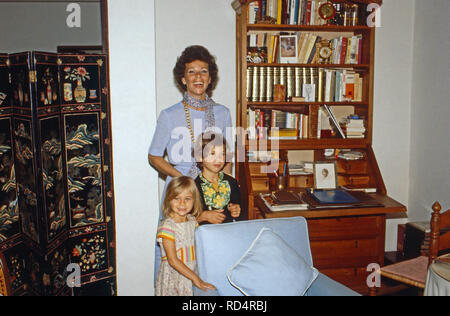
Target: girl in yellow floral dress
point(219, 192)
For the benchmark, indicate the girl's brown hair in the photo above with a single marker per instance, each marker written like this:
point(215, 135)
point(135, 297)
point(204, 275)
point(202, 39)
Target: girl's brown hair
point(205, 142)
point(175, 188)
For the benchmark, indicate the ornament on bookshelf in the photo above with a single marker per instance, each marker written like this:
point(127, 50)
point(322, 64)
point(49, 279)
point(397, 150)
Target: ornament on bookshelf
point(267, 20)
point(279, 93)
point(325, 50)
point(327, 11)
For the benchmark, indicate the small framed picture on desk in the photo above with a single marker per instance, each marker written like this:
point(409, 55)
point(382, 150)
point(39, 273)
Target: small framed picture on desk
point(325, 175)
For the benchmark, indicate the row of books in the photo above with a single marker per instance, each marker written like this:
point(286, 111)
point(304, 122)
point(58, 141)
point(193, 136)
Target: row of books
point(302, 12)
point(346, 49)
point(303, 84)
point(274, 124)
point(320, 122)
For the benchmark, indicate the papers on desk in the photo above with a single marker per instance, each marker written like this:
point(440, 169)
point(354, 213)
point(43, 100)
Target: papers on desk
point(271, 203)
point(338, 198)
point(309, 201)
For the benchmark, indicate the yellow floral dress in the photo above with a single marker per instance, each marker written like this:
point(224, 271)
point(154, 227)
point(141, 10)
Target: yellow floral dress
point(216, 198)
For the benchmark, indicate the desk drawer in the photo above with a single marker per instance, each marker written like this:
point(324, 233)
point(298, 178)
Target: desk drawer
point(301, 181)
point(341, 228)
point(260, 184)
point(352, 277)
point(353, 181)
point(352, 166)
point(344, 253)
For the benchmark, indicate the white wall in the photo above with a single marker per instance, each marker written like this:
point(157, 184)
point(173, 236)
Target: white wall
point(41, 26)
point(133, 108)
point(392, 102)
point(181, 23)
point(430, 109)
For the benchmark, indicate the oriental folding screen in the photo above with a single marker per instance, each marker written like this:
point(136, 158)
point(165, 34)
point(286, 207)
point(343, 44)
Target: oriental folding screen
point(56, 187)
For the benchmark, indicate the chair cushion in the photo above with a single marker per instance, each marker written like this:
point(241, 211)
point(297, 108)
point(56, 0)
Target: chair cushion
point(413, 271)
point(219, 246)
point(270, 267)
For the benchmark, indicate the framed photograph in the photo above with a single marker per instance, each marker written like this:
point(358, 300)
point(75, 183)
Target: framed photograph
point(309, 92)
point(288, 49)
point(257, 55)
point(325, 175)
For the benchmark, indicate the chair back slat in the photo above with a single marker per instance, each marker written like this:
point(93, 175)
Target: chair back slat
point(445, 220)
point(444, 241)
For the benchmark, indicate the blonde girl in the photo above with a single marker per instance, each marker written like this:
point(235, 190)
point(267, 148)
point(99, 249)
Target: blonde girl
point(181, 207)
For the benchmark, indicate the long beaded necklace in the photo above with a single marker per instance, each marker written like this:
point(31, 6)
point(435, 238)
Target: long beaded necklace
point(188, 121)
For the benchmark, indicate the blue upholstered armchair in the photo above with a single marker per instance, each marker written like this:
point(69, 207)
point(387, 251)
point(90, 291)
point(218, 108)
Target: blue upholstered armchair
point(240, 258)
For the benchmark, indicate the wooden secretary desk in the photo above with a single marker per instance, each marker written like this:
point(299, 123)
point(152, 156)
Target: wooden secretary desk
point(295, 59)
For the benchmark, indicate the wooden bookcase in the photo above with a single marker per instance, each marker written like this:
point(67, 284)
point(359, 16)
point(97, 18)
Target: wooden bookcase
point(339, 250)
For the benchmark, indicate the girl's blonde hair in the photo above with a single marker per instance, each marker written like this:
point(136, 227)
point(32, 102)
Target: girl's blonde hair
point(175, 188)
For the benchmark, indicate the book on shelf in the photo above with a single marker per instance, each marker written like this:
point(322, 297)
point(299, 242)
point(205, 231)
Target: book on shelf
point(313, 121)
point(285, 133)
point(272, 204)
point(334, 120)
point(253, 11)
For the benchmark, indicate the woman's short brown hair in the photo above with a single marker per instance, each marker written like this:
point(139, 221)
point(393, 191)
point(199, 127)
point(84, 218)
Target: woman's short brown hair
point(193, 53)
point(175, 188)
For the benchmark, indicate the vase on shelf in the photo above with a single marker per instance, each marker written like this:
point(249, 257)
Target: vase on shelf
point(79, 92)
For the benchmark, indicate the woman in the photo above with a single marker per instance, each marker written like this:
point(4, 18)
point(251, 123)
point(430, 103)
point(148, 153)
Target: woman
point(179, 125)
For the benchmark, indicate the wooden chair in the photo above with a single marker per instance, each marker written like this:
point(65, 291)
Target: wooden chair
point(413, 272)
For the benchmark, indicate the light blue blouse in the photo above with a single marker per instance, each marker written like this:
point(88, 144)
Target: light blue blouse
point(172, 134)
